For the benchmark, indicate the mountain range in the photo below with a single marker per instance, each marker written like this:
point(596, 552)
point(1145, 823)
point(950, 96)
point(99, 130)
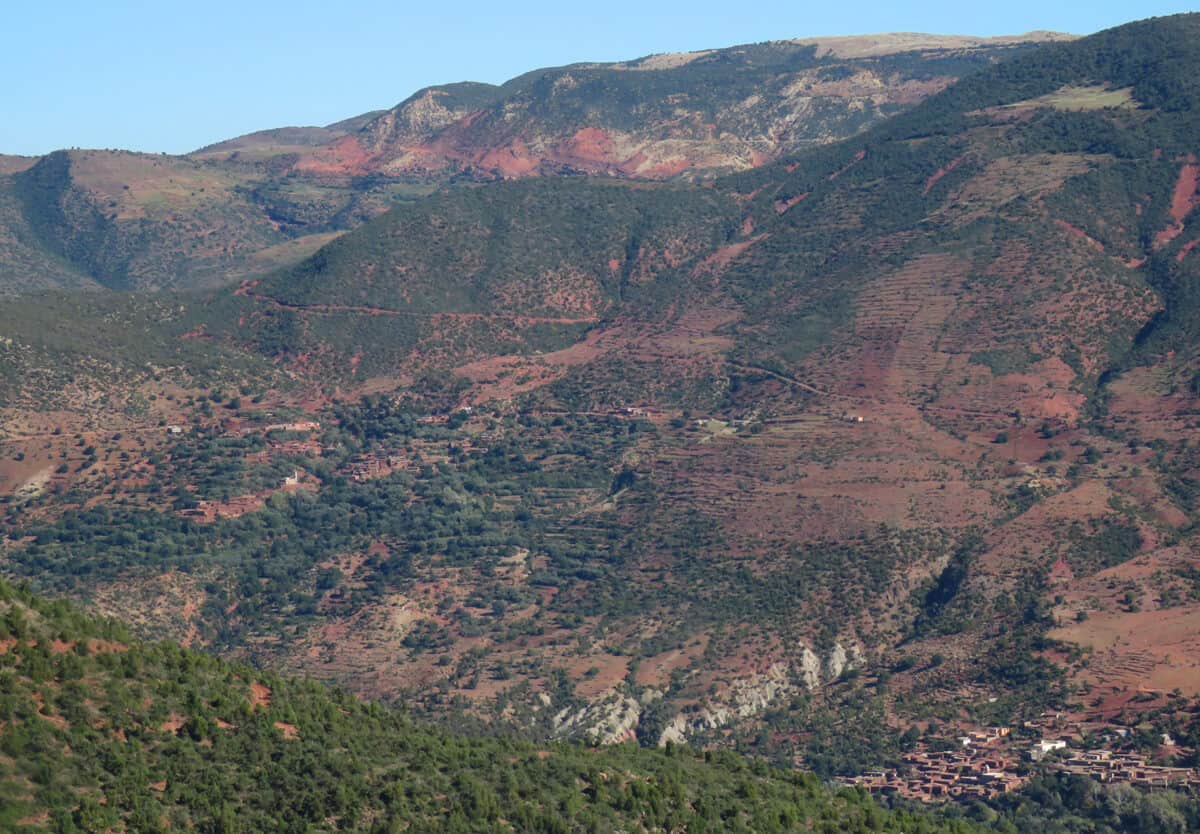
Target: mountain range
point(816, 399)
point(141, 221)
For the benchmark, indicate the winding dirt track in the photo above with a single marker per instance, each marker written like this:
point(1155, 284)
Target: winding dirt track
point(383, 311)
point(821, 392)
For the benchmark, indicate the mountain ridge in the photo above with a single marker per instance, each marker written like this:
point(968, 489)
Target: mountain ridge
point(465, 133)
point(235, 207)
point(859, 450)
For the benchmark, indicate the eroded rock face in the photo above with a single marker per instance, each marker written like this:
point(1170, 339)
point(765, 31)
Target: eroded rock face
point(837, 662)
point(615, 718)
point(675, 732)
point(745, 698)
point(416, 120)
point(611, 721)
point(756, 693)
point(810, 668)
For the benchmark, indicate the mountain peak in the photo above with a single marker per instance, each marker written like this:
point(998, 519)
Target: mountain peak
point(665, 115)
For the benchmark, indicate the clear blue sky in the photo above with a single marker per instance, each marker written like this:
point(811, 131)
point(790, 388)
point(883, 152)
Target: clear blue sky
point(163, 75)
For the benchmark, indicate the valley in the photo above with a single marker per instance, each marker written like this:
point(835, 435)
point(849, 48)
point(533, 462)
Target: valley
point(829, 449)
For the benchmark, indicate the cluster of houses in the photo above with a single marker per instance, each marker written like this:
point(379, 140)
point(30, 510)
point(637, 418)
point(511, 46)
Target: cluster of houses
point(375, 466)
point(1107, 766)
point(207, 512)
point(419, 452)
point(980, 767)
point(939, 776)
point(985, 765)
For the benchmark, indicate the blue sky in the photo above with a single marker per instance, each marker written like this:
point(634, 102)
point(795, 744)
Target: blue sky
point(169, 76)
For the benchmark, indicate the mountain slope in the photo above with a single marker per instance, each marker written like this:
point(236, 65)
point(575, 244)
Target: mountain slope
point(100, 732)
point(918, 320)
point(28, 263)
point(284, 140)
point(808, 459)
point(518, 266)
point(241, 207)
point(131, 221)
point(663, 115)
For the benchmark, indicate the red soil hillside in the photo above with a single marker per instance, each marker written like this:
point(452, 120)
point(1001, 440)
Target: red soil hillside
point(790, 95)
